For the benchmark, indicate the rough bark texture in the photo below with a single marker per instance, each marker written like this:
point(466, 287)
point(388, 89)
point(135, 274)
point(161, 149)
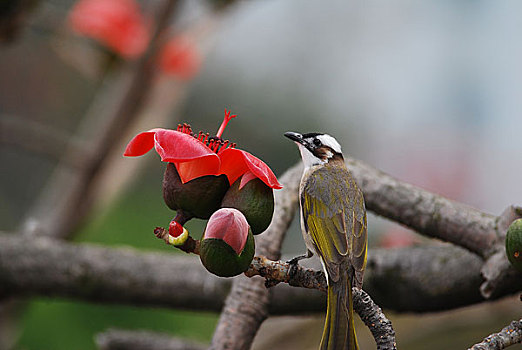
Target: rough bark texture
point(373, 317)
point(246, 307)
point(508, 336)
point(427, 213)
point(115, 339)
point(424, 278)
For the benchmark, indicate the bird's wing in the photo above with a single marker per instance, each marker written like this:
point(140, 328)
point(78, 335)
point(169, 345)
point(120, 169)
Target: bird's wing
point(359, 239)
point(335, 217)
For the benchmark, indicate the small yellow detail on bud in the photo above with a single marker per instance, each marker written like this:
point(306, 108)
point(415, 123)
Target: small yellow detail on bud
point(180, 240)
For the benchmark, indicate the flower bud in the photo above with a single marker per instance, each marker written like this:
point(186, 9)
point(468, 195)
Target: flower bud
point(198, 198)
point(514, 244)
point(254, 199)
point(227, 247)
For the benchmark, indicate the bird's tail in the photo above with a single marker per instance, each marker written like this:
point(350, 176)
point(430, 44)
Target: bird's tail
point(339, 327)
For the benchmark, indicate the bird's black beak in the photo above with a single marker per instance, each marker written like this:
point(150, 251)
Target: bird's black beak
point(294, 136)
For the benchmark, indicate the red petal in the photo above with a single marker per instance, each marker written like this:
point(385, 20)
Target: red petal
point(175, 146)
point(196, 168)
point(236, 162)
point(231, 226)
point(140, 144)
point(192, 158)
point(246, 178)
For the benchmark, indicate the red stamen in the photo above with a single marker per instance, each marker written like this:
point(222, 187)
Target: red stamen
point(206, 137)
point(217, 145)
point(225, 122)
point(225, 144)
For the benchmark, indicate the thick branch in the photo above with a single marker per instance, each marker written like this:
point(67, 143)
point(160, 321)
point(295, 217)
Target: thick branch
point(425, 212)
point(423, 279)
point(246, 307)
point(508, 336)
point(115, 339)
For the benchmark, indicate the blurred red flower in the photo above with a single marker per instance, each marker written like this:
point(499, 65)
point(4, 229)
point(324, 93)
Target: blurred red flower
point(180, 57)
point(118, 24)
point(198, 155)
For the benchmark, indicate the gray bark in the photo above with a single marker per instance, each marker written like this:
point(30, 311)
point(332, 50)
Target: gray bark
point(115, 339)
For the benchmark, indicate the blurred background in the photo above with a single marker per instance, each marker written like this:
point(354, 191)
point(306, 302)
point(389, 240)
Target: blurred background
point(429, 92)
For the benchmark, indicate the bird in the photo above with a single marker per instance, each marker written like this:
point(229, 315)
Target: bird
point(334, 227)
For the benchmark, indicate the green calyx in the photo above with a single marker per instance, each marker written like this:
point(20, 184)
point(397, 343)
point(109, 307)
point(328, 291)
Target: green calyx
point(198, 198)
point(220, 259)
point(255, 200)
point(514, 244)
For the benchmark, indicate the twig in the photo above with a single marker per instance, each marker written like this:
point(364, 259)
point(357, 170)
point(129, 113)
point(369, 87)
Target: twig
point(371, 314)
point(508, 336)
point(116, 339)
point(15, 131)
point(373, 317)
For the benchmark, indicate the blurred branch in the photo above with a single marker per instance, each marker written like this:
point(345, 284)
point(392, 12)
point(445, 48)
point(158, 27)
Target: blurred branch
point(425, 212)
point(115, 339)
point(13, 14)
point(508, 336)
point(424, 279)
point(246, 306)
point(66, 198)
point(29, 135)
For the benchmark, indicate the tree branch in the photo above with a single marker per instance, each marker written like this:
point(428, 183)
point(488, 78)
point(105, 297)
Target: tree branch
point(246, 307)
point(427, 213)
point(508, 336)
point(116, 339)
point(438, 217)
point(425, 279)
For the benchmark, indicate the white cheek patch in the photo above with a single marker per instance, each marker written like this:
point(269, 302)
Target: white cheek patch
point(328, 140)
point(309, 159)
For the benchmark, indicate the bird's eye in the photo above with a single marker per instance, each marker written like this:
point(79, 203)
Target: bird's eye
point(317, 142)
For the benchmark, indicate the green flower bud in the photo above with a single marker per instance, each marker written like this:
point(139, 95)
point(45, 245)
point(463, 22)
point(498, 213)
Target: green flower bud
point(227, 247)
point(514, 244)
point(198, 198)
point(254, 199)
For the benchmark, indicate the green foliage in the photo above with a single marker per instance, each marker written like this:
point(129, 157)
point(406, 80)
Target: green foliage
point(57, 325)
point(63, 325)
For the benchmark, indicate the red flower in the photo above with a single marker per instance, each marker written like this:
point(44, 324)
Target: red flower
point(179, 57)
point(118, 24)
point(196, 156)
